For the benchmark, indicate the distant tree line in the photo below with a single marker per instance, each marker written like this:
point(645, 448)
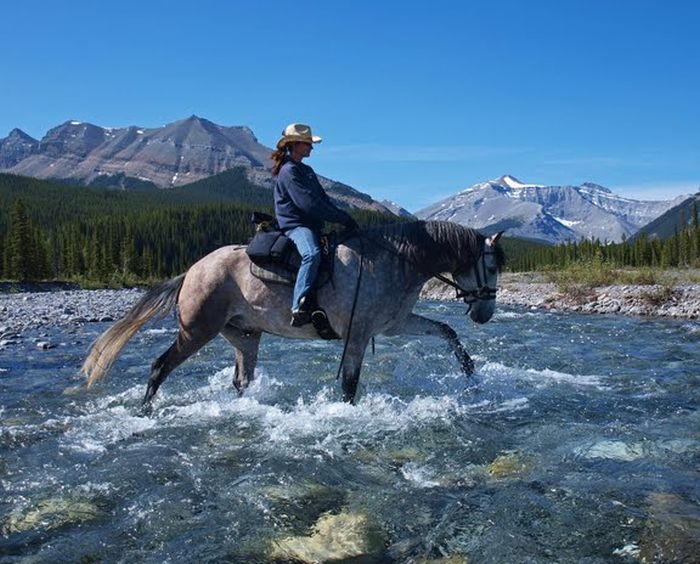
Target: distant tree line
point(54, 232)
point(682, 250)
point(50, 231)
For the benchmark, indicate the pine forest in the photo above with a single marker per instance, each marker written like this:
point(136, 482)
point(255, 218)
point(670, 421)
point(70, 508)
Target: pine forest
point(90, 235)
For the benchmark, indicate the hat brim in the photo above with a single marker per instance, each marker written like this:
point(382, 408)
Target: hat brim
point(292, 138)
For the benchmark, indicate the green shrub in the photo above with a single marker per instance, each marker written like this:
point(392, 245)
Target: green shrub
point(641, 277)
point(582, 275)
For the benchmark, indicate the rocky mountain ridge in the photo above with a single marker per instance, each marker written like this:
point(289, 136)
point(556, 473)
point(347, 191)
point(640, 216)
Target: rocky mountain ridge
point(552, 214)
point(176, 154)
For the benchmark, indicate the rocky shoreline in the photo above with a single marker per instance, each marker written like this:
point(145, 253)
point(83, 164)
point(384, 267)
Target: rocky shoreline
point(25, 311)
point(679, 301)
point(29, 309)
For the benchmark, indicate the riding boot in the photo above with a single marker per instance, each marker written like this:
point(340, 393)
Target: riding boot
point(302, 316)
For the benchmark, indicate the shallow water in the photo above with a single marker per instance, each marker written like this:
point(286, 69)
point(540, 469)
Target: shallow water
point(557, 450)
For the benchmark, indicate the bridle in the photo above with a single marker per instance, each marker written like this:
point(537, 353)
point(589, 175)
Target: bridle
point(482, 292)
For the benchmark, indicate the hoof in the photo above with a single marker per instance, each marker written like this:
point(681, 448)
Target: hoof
point(146, 409)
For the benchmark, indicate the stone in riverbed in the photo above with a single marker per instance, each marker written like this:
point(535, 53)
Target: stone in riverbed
point(442, 560)
point(672, 532)
point(509, 465)
point(51, 514)
point(334, 537)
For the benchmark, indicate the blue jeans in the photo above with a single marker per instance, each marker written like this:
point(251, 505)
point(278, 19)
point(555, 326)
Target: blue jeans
point(309, 248)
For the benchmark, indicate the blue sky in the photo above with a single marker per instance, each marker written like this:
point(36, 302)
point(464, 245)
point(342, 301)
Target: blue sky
point(415, 100)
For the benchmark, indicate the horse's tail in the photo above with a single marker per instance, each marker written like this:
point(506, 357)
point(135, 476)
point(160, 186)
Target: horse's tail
point(104, 351)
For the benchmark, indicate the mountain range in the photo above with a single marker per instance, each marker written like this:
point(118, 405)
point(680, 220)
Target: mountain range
point(174, 155)
point(193, 149)
point(676, 219)
point(551, 214)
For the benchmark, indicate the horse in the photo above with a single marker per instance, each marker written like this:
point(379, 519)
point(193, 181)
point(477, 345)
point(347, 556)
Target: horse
point(377, 277)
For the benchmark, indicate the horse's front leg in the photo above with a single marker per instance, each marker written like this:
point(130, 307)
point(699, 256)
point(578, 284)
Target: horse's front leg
point(418, 325)
point(246, 345)
point(352, 365)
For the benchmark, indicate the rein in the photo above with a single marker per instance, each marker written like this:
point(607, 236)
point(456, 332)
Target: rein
point(354, 306)
point(483, 290)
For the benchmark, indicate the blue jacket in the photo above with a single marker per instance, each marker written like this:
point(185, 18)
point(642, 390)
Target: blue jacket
point(300, 200)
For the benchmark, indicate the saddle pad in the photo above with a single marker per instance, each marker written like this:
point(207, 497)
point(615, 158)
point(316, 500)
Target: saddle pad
point(275, 273)
point(280, 274)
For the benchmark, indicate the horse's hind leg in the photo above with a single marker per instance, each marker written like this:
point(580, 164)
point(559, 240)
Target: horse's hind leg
point(184, 346)
point(246, 344)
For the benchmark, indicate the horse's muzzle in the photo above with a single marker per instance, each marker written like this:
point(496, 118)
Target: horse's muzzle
point(482, 310)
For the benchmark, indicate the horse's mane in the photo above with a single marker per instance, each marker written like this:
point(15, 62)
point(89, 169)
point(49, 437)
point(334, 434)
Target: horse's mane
point(433, 246)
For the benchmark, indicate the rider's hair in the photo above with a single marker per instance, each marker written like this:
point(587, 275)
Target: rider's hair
point(278, 158)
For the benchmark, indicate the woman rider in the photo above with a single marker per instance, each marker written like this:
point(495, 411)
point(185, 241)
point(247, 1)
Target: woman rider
point(302, 206)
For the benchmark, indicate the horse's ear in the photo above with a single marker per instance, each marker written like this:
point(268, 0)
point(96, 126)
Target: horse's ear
point(493, 240)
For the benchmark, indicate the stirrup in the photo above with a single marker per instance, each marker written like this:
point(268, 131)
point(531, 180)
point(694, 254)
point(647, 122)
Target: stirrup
point(319, 319)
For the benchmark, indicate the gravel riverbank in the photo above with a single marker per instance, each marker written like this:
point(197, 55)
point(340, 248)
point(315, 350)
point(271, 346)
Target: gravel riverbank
point(25, 311)
point(21, 312)
point(680, 300)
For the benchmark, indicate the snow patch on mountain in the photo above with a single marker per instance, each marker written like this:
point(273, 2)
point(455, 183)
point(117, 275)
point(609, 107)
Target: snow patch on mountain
point(553, 214)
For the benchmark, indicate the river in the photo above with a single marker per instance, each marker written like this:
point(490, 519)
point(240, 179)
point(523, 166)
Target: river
point(577, 440)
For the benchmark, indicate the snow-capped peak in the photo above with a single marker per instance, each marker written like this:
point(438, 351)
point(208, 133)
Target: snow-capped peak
point(552, 213)
point(510, 181)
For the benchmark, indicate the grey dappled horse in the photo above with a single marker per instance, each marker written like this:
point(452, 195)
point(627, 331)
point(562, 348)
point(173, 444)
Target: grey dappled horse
point(377, 277)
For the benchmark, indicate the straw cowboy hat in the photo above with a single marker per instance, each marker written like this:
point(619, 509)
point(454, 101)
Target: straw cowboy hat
point(297, 132)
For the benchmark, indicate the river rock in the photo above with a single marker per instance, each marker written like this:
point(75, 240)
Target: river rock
point(612, 450)
point(334, 537)
point(457, 559)
point(672, 532)
point(50, 514)
point(508, 465)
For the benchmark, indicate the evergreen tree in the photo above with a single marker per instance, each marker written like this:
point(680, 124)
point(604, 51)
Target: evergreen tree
point(20, 254)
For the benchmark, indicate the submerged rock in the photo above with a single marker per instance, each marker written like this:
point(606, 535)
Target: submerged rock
point(672, 532)
point(334, 537)
point(612, 450)
point(296, 506)
point(51, 514)
point(443, 560)
point(508, 465)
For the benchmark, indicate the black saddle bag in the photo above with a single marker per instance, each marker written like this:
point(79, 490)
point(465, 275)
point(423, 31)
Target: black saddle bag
point(270, 247)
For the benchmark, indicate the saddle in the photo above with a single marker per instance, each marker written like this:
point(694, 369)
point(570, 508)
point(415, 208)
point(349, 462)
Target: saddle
point(274, 258)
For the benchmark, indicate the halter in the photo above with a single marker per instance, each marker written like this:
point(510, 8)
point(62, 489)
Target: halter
point(483, 291)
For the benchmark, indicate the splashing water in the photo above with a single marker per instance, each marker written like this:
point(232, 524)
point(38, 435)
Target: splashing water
point(578, 438)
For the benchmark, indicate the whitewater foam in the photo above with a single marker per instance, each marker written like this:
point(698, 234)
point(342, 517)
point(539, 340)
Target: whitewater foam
point(117, 417)
point(419, 475)
point(541, 378)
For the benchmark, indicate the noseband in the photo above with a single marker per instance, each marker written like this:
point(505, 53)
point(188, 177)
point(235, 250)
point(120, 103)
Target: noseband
point(482, 292)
